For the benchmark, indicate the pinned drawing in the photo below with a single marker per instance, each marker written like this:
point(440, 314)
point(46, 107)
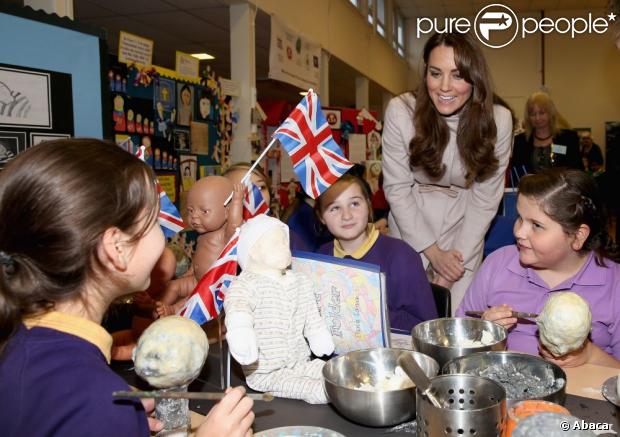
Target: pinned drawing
point(25, 98)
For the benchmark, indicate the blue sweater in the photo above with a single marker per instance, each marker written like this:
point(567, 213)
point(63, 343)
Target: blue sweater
point(57, 384)
point(409, 295)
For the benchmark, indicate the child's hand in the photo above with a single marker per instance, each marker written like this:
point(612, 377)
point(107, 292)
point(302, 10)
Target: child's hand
point(155, 425)
point(238, 191)
point(501, 315)
point(231, 417)
point(572, 359)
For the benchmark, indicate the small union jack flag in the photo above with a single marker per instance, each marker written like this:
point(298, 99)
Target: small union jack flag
point(207, 300)
point(169, 218)
point(317, 159)
point(253, 201)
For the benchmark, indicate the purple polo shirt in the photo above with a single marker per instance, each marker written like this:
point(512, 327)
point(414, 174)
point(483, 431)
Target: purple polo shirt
point(502, 279)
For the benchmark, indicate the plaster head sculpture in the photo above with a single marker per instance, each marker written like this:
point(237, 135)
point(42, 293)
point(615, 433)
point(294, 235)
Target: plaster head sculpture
point(171, 352)
point(564, 323)
point(205, 203)
point(264, 245)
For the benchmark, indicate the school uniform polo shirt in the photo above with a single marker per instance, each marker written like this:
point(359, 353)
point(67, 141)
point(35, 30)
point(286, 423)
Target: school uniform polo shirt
point(55, 381)
point(503, 280)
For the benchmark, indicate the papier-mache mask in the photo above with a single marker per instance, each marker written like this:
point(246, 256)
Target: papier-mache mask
point(264, 239)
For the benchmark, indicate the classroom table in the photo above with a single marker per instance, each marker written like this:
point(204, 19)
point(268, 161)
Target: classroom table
point(583, 400)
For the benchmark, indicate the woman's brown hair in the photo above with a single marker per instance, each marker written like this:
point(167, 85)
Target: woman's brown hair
point(570, 198)
point(476, 133)
point(56, 201)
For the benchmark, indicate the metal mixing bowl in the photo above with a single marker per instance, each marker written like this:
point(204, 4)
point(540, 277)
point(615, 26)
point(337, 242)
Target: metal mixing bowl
point(522, 375)
point(442, 339)
point(372, 408)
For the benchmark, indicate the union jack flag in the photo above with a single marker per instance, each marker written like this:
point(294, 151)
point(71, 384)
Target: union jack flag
point(253, 201)
point(169, 218)
point(317, 159)
point(207, 300)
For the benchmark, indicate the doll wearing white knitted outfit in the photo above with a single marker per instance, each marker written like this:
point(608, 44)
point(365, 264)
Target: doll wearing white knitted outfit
point(270, 312)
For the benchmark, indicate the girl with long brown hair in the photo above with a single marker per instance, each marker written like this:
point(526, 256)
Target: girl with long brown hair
point(445, 150)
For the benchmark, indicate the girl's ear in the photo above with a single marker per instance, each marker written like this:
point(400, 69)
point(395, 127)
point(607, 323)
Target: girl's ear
point(111, 251)
point(581, 235)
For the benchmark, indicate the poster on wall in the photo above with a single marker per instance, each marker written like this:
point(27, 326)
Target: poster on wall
point(35, 106)
point(25, 98)
point(11, 143)
point(293, 58)
point(185, 104)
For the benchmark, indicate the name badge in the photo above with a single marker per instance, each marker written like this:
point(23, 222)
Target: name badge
point(558, 148)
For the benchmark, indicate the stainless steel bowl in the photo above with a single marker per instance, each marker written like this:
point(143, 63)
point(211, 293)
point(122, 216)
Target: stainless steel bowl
point(443, 339)
point(519, 368)
point(372, 408)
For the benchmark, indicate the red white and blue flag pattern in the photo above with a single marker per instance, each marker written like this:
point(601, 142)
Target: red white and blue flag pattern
point(169, 218)
point(317, 159)
point(253, 201)
point(207, 300)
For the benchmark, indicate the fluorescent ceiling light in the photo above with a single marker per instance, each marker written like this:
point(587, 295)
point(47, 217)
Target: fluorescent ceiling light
point(303, 93)
point(202, 56)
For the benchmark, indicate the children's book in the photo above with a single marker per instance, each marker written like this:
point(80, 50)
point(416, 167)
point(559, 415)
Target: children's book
point(351, 298)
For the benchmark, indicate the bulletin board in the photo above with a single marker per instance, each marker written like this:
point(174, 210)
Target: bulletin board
point(73, 53)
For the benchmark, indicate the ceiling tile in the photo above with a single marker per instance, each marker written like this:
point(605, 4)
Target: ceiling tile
point(131, 7)
point(219, 16)
point(86, 9)
point(182, 25)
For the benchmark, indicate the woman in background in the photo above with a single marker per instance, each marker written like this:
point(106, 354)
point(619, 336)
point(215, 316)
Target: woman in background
point(547, 142)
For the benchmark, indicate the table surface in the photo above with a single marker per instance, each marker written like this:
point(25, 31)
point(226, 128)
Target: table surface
point(583, 400)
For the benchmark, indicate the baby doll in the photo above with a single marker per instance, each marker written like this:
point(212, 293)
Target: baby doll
point(215, 224)
point(270, 312)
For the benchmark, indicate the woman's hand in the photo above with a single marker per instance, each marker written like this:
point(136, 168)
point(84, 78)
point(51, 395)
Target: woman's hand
point(447, 263)
point(440, 280)
point(502, 315)
point(155, 425)
point(231, 417)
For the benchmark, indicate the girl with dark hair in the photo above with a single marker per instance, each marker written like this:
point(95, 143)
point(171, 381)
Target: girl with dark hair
point(561, 243)
point(78, 229)
point(445, 151)
point(346, 211)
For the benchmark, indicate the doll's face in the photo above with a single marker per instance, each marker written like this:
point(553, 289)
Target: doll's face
point(130, 115)
point(272, 250)
point(205, 204)
point(119, 103)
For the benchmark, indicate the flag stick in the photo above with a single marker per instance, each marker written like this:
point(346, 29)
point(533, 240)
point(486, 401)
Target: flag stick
point(249, 172)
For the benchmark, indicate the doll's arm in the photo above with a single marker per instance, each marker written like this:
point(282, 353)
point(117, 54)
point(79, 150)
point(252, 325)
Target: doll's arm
point(174, 296)
point(235, 211)
point(315, 329)
point(239, 323)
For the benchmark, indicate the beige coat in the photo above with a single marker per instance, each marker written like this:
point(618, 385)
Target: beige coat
point(444, 211)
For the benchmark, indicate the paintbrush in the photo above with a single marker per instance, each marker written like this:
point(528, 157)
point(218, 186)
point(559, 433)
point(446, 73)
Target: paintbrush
point(517, 314)
point(210, 396)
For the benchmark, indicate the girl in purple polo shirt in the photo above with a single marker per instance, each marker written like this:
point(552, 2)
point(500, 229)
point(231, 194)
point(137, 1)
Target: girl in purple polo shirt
point(560, 246)
point(346, 211)
point(78, 229)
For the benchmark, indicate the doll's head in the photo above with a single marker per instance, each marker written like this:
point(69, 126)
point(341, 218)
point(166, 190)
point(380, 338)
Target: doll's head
point(264, 244)
point(205, 203)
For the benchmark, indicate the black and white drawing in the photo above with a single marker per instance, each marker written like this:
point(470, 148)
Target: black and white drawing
point(25, 98)
point(11, 143)
point(38, 137)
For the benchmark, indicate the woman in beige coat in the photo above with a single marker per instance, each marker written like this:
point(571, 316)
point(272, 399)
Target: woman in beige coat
point(445, 151)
